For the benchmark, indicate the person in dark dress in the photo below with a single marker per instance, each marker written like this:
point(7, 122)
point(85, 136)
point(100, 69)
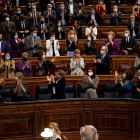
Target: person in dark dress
point(16, 44)
point(57, 86)
point(20, 88)
point(43, 64)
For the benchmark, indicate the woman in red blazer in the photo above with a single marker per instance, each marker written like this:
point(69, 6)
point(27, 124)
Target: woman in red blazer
point(101, 7)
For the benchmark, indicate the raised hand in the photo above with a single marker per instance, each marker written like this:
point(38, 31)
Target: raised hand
point(48, 78)
point(53, 59)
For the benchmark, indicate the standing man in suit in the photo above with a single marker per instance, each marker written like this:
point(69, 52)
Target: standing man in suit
point(33, 43)
point(71, 6)
point(33, 17)
point(95, 16)
point(3, 14)
point(50, 15)
point(43, 29)
point(80, 14)
point(63, 15)
point(128, 44)
point(7, 28)
point(54, 5)
point(3, 47)
point(23, 27)
point(103, 62)
point(16, 17)
point(116, 17)
point(133, 27)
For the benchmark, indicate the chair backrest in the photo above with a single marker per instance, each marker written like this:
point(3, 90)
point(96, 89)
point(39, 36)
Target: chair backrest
point(110, 91)
point(135, 94)
point(106, 22)
point(120, 35)
point(104, 35)
point(64, 67)
point(123, 67)
point(28, 95)
point(5, 95)
point(81, 91)
point(69, 91)
point(43, 93)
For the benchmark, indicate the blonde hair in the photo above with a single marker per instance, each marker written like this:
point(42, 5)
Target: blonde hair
point(20, 76)
point(133, 9)
point(56, 127)
point(62, 73)
point(25, 54)
point(76, 51)
point(111, 32)
point(69, 33)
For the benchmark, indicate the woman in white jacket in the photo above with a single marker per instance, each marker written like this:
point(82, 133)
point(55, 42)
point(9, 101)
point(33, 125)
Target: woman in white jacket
point(52, 46)
point(91, 29)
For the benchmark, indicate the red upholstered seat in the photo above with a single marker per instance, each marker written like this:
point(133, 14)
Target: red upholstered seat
point(120, 35)
point(106, 22)
point(123, 67)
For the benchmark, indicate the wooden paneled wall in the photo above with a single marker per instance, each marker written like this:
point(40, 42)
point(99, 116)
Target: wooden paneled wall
point(113, 119)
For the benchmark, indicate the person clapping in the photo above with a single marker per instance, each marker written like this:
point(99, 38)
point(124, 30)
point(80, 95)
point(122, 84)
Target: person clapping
point(57, 86)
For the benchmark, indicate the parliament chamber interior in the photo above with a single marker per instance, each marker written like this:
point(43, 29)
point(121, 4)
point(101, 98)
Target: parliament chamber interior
point(69, 64)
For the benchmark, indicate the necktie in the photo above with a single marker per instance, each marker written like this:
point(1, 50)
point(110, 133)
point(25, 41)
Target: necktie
point(101, 57)
point(42, 33)
point(53, 48)
point(49, 17)
point(23, 26)
point(6, 23)
point(34, 19)
point(0, 50)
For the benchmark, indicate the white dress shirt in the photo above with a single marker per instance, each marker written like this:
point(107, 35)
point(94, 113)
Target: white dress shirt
point(71, 9)
point(133, 32)
point(88, 31)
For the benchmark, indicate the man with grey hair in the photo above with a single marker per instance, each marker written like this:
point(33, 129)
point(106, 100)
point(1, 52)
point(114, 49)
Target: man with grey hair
point(103, 62)
point(89, 132)
point(49, 15)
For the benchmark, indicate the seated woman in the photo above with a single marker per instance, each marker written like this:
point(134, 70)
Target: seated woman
point(126, 83)
point(43, 64)
point(7, 66)
point(59, 31)
point(101, 7)
point(56, 131)
point(137, 64)
point(77, 64)
point(90, 46)
point(20, 88)
point(72, 43)
point(90, 84)
point(91, 29)
point(78, 29)
point(112, 44)
point(16, 44)
point(25, 66)
point(57, 86)
point(52, 46)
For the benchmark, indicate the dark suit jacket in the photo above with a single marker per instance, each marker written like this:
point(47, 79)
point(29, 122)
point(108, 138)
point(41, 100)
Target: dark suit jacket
point(81, 18)
point(2, 18)
point(55, 8)
point(19, 28)
point(56, 31)
point(86, 2)
point(4, 47)
point(31, 19)
point(59, 89)
point(132, 44)
point(113, 19)
point(103, 68)
point(98, 18)
point(53, 17)
point(136, 29)
point(74, 6)
point(66, 16)
point(15, 18)
point(47, 34)
point(6, 34)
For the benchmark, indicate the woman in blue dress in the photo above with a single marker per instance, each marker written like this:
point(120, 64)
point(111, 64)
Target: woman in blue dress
point(126, 83)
